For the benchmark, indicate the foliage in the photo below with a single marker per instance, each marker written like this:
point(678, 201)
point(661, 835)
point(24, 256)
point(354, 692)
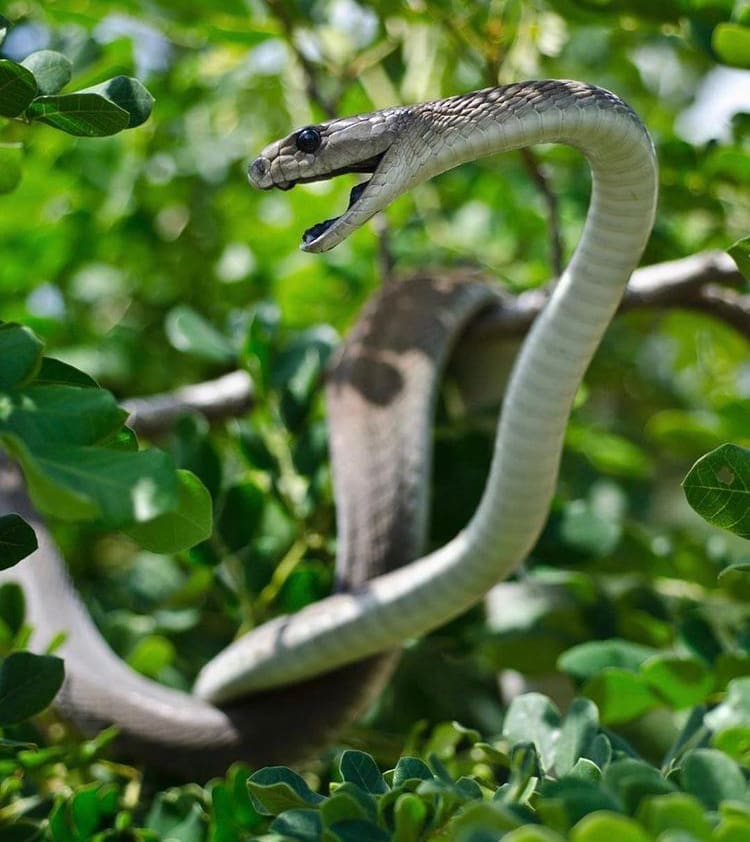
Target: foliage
point(145, 261)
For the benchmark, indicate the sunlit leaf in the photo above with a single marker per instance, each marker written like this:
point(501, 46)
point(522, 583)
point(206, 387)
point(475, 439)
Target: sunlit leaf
point(82, 114)
point(188, 331)
point(718, 488)
point(732, 42)
point(51, 70)
point(184, 527)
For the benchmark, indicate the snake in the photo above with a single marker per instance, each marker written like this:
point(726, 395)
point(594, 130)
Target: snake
point(284, 689)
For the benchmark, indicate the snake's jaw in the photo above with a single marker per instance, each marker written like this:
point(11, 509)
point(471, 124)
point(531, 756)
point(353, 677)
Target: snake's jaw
point(349, 145)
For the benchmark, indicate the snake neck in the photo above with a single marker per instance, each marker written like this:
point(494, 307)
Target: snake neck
point(554, 357)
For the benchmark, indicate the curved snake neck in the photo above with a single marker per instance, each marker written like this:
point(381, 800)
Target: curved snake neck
point(380, 396)
point(410, 145)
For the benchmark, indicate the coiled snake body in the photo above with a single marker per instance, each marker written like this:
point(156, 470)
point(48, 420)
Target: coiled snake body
point(285, 687)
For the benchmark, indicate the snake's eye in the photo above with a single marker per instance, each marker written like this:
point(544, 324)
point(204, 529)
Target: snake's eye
point(308, 140)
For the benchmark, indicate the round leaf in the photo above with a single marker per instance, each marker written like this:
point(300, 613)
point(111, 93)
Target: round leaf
point(718, 488)
point(51, 70)
point(732, 42)
point(28, 683)
point(188, 525)
point(712, 777)
point(620, 695)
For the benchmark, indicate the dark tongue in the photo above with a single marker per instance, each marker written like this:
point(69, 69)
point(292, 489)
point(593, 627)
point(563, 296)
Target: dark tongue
point(319, 229)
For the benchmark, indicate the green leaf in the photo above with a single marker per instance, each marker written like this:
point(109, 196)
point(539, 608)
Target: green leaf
point(11, 156)
point(560, 804)
point(731, 41)
point(410, 768)
point(492, 819)
point(340, 806)
point(533, 717)
point(130, 95)
point(80, 114)
point(57, 373)
point(740, 253)
point(301, 825)
point(17, 540)
point(620, 695)
point(17, 88)
point(360, 769)
point(42, 416)
point(241, 515)
point(51, 70)
point(633, 780)
point(21, 352)
point(28, 683)
point(151, 655)
point(603, 825)
point(410, 817)
point(587, 659)
point(5, 26)
point(586, 770)
point(681, 682)
point(734, 572)
point(579, 727)
point(712, 777)
point(190, 332)
point(357, 830)
point(734, 711)
point(530, 833)
point(600, 750)
point(12, 606)
point(118, 487)
point(276, 788)
point(734, 742)
point(187, 525)
point(718, 488)
point(676, 811)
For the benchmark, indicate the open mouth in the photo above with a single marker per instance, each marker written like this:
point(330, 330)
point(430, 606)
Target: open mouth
point(321, 227)
point(367, 166)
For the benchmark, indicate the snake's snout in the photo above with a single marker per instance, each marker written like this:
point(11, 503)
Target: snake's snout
point(259, 173)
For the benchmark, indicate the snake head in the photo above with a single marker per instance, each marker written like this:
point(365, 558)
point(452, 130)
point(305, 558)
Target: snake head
point(371, 143)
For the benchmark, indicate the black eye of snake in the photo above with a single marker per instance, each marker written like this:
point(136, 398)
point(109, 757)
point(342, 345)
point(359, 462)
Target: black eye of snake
point(308, 140)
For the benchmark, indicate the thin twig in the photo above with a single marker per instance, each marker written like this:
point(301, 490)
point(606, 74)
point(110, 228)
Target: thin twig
point(539, 177)
point(279, 9)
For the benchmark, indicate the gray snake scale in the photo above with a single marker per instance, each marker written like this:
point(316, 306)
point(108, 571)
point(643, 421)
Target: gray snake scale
point(284, 690)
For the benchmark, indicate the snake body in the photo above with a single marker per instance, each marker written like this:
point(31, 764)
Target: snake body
point(282, 689)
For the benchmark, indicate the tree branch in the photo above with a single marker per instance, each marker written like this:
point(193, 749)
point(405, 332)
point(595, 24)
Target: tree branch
point(707, 282)
point(698, 282)
point(225, 397)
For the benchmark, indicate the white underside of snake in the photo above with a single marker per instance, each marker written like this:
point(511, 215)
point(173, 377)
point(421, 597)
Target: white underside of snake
point(282, 689)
